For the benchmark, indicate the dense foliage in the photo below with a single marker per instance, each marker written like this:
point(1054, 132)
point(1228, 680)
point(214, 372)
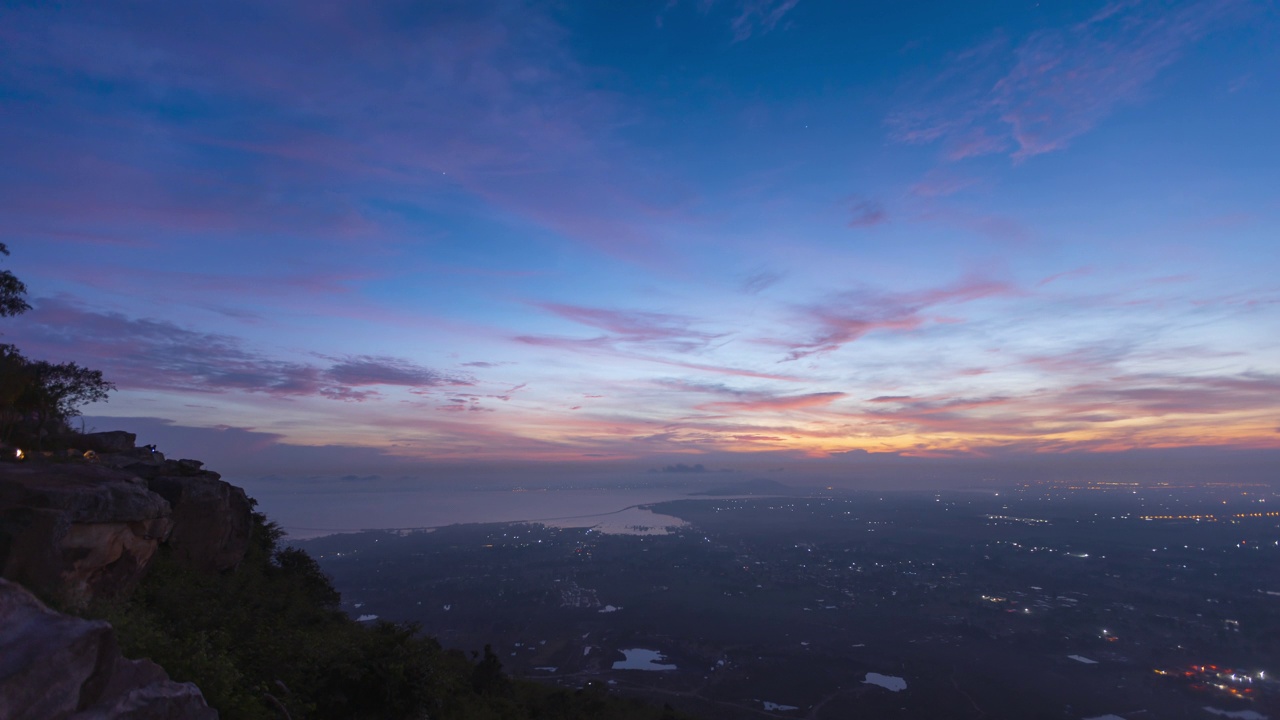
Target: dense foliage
point(267, 641)
point(39, 398)
point(12, 291)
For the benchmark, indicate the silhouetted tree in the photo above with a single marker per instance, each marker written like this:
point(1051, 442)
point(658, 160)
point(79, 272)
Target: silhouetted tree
point(487, 678)
point(12, 291)
point(14, 380)
point(54, 393)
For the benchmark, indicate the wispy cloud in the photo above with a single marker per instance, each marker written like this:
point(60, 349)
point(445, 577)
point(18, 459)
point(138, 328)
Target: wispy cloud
point(775, 403)
point(758, 17)
point(749, 18)
point(938, 183)
point(630, 326)
point(1036, 95)
point(760, 281)
point(605, 345)
point(866, 212)
point(525, 132)
point(849, 316)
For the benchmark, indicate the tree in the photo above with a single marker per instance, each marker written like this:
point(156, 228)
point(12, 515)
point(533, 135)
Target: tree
point(54, 393)
point(12, 291)
point(40, 395)
point(487, 678)
point(14, 380)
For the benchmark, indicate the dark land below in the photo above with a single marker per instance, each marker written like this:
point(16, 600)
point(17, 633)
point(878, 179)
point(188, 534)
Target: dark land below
point(1046, 601)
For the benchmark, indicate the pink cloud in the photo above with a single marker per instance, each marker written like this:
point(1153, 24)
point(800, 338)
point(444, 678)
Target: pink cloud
point(776, 404)
point(1076, 272)
point(850, 316)
point(939, 184)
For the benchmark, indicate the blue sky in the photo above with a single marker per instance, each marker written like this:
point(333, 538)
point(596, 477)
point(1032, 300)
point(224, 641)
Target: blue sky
point(741, 230)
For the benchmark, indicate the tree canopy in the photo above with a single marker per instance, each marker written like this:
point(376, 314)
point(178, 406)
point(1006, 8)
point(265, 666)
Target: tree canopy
point(38, 397)
point(12, 291)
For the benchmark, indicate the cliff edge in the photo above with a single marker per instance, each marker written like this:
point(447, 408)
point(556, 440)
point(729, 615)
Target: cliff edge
point(83, 527)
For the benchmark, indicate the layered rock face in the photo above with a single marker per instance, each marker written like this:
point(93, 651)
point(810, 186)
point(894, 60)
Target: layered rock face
point(57, 667)
point(113, 441)
point(211, 519)
point(77, 532)
point(81, 531)
point(84, 528)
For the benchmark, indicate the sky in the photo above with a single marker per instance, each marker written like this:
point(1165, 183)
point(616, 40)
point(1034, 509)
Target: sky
point(323, 236)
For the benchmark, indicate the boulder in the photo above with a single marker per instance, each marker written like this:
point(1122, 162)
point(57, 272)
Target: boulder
point(77, 532)
point(212, 519)
point(58, 667)
point(115, 441)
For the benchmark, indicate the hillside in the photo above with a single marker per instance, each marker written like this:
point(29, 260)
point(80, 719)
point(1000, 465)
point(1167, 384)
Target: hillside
point(189, 576)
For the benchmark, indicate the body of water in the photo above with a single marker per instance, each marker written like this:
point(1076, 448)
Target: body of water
point(306, 514)
point(642, 659)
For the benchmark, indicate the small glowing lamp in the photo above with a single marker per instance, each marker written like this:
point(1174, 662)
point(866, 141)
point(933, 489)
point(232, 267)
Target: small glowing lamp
point(18, 454)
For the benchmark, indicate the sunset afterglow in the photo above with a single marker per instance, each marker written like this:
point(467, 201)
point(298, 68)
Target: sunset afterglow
point(655, 231)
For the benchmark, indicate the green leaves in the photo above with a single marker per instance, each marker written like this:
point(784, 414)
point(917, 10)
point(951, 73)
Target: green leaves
point(269, 635)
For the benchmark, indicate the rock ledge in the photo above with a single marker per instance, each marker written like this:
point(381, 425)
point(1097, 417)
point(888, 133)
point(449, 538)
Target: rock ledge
point(57, 667)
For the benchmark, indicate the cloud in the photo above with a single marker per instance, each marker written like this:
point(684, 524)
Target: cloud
point(636, 326)
point(630, 332)
point(241, 451)
point(1154, 395)
point(761, 281)
point(759, 17)
point(464, 403)
point(866, 213)
point(939, 184)
point(506, 396)
point(152, 354)
point(749, 17)
point(1127, 410)
point(776, 404)
point(327, 105)
point(749, 400)
point(702, 387)
point(382, 370)
point(605, 345)
point(849, 316)
point(1037, 95)
point(1073, 273)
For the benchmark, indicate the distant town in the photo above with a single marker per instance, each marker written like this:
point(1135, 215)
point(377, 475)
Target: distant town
point(1054, 600)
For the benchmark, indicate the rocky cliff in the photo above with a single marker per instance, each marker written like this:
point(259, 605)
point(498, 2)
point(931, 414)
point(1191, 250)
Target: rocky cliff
point(76, 529)
point(81, 527)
